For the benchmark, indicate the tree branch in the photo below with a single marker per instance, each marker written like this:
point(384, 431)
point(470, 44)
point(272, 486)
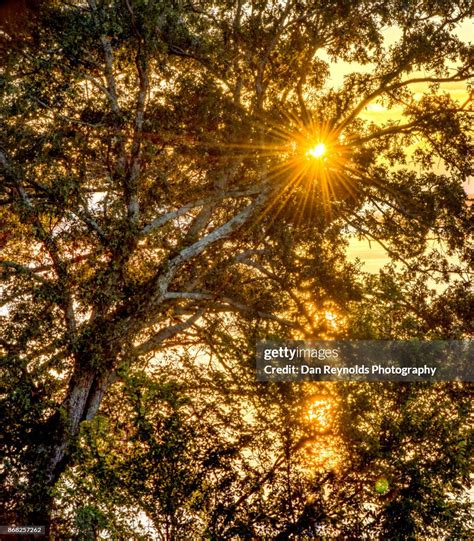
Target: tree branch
point(400, 128)
point(389, 88)
point(49, 243)
point(167, 332)
point(168, 216)
point(221, 232)
point(24, 270)
point(218, 302)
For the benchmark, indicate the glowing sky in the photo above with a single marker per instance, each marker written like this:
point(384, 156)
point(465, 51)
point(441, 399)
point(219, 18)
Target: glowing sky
point(373, 255)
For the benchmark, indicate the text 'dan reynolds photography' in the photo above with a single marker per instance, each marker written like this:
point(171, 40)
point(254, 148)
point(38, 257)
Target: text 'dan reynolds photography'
point(365, 360)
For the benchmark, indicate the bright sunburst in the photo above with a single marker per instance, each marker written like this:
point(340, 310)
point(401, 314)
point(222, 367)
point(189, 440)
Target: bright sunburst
point(309, 163)
point(317, 151)
point(313, 168)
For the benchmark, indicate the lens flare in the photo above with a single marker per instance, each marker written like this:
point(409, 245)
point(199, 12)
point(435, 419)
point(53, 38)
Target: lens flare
point(317, 151)
point(309, 163)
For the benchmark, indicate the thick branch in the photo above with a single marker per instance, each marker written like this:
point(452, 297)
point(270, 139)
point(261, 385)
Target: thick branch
point(220, 233)
point(168, 332)
point(171, 215)
point(218, 302)
point(131, 184)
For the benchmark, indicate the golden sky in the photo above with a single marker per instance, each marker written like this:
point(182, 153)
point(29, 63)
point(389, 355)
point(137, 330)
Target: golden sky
point(372, 254)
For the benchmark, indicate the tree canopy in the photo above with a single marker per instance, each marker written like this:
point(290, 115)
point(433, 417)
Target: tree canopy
point(181, 179)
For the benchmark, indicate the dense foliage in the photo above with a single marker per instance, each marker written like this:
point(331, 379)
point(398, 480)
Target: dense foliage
point(163, 206)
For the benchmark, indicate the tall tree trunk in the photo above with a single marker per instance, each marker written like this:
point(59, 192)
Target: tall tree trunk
point(52, 453)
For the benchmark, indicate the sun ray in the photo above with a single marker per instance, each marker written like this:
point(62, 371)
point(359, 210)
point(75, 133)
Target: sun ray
point(314, 163)
point(307, 161)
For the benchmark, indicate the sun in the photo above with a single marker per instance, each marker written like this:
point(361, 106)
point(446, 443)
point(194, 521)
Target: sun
point(317, 151)
point(309, 162)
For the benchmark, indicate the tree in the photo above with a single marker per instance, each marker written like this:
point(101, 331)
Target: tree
point(167, 165)
point(210, 454)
